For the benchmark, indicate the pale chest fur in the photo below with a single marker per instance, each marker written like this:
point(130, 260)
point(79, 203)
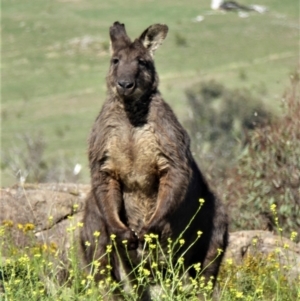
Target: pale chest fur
point(135, 158)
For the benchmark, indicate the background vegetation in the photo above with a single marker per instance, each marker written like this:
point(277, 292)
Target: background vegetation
point(55, 58)
point(250, 156)
point(219, 121)
point(268, 172)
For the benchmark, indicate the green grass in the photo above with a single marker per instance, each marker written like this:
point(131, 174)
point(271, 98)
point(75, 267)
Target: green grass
point(53, 85)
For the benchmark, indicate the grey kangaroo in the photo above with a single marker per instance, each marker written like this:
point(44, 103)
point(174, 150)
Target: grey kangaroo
point(143, 176)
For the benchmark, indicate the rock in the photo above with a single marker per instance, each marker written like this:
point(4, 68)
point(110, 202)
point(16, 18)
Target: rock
point(36, 203)
point(256, 242)
point(49, 207)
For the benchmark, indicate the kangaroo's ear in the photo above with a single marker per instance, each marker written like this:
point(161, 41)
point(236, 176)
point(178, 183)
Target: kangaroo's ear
point(153, 36)
point(118, 36)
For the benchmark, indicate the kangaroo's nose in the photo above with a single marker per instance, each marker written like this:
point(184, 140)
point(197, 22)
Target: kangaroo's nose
point(126, 85)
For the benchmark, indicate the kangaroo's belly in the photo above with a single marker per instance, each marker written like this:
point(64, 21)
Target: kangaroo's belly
point(139, 209)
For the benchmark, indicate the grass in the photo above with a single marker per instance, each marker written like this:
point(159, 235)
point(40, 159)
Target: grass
point(34, 272)
point(55, 57)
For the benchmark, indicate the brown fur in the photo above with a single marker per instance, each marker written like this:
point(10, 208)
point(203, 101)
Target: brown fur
point(144, 179)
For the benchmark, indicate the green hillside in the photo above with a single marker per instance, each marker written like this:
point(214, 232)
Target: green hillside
point(55, 57)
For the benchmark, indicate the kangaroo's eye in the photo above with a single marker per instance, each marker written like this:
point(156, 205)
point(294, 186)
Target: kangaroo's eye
point(115, 61)
point(142, 62)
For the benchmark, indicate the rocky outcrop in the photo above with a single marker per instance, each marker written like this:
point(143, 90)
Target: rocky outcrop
point(51, 208)
point(262, 243)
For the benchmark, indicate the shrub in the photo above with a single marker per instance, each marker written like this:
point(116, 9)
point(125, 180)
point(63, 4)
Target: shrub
point(219, 119)
point(257, 278)
point(268, 172)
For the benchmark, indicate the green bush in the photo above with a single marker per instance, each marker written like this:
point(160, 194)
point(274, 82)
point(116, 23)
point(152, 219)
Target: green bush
point(218, 123)
point(268, 172)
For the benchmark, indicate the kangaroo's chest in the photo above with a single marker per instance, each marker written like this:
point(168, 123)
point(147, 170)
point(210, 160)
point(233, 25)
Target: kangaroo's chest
point(135, 157)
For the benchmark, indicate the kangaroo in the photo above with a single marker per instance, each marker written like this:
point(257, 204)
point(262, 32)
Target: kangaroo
point(143, 176)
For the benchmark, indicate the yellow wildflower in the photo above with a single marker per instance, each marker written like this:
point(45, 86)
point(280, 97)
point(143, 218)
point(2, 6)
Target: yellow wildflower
point(8, 223)
point(201, 201)
point(28, 227)
point(96, 234)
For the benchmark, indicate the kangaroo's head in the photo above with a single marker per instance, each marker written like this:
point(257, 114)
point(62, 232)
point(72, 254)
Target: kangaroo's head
point(132, 73)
